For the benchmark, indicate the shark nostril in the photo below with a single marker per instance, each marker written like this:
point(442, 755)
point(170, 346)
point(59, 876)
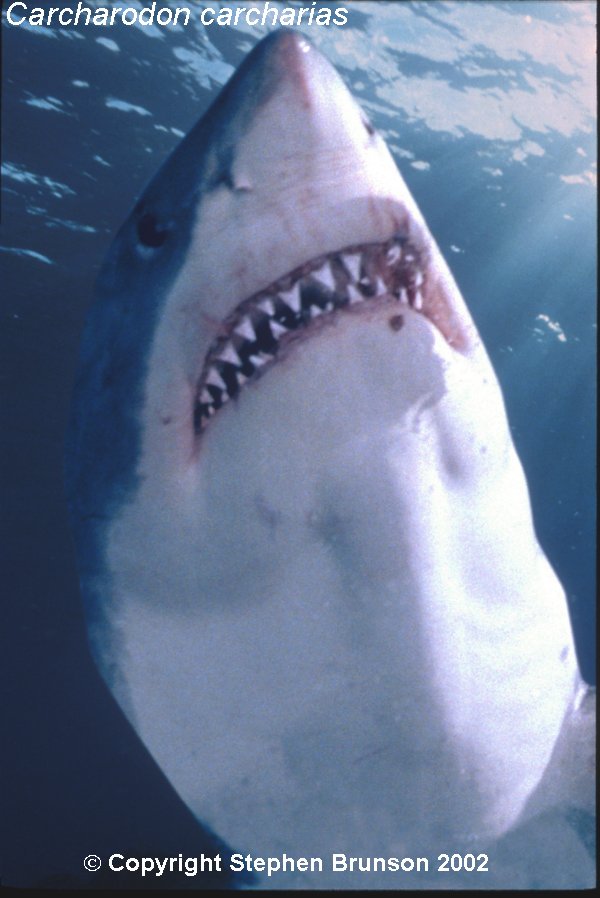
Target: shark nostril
point(223, 178)
point(368, 127)
point(150, 232)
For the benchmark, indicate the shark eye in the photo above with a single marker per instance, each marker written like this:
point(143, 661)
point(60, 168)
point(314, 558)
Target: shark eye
point(150, 232)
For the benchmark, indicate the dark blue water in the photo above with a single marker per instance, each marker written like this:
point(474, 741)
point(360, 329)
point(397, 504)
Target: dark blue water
point(490, 112)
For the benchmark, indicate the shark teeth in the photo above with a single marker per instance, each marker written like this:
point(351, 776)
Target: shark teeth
point(325, 277)
point(352, 265)
point(292, 298)
point(266, 305)
point(380, 287)
point(228, 354)
point(354, 295)
point(253, 333)
point(244, 329)
point(215, 379)
point(259, 360)
point(394, 254)
point(278, 330)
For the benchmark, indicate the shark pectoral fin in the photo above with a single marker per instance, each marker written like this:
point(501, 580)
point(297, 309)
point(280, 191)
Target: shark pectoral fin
point(570, 778)
point(576, 769)
point(554, 838)
point(568, 785)
point(578, 759)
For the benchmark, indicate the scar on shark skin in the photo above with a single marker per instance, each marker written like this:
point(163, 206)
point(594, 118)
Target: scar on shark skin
point(268, 514)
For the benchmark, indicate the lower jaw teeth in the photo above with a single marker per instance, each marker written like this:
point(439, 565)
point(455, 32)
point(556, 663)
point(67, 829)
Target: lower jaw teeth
point(353, 295)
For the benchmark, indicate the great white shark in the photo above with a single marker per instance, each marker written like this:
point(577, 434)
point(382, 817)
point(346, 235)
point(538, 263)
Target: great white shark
point(305, 542)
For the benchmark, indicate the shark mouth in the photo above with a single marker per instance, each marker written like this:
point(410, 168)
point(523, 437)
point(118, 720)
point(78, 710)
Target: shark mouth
point(251, 337)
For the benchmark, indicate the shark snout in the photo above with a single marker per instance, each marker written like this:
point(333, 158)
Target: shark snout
point(292, 56)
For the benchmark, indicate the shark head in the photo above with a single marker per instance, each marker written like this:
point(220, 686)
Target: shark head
point(306, 546)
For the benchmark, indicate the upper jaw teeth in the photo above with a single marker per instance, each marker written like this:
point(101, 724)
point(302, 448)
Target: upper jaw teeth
point(245, 330)
point(228, 354)
point(352, 265)
point(266, 305)
point(324, 276)
point(255, 329)
point(292, 298)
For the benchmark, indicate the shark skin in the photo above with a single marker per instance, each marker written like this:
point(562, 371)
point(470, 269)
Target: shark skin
point(305, 542)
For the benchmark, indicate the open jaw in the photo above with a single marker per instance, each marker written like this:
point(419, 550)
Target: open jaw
point(253, 335)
